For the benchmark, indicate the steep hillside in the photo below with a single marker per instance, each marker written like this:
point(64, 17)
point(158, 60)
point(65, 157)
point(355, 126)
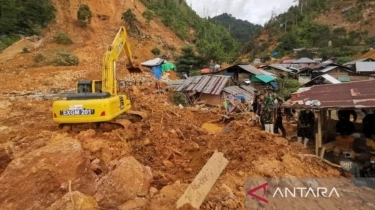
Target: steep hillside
point(241, 30)
point(89, 44)
point(346, 24)
point(212, 40)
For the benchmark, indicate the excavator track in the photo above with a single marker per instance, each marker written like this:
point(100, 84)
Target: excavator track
point(120, 122)
point(101, 126)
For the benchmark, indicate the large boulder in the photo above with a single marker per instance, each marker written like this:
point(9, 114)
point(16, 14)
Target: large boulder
point(75, 200)
point(41, 177)
point(129, 180)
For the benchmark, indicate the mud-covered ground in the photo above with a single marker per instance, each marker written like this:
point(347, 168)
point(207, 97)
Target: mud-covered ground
point(154, 159)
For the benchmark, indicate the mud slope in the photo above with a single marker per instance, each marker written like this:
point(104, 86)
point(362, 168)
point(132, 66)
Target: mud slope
point(89, 45)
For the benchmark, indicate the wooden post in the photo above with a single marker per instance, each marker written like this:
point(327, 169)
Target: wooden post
point(318, 136)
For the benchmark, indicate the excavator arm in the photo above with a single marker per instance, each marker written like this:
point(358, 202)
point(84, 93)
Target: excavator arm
point(110, 57)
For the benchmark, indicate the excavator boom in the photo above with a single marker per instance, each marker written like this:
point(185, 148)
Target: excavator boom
point(109, 61)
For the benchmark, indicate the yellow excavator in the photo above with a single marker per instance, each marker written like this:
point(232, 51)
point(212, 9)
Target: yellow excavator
point(96, 102)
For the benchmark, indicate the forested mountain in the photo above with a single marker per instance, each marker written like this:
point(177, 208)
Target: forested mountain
point(241, 30)
point(333, 28)
point(212, 41)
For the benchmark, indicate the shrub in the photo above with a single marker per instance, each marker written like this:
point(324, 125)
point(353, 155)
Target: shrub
point(39, 58)
point(65, 58)
point(25, 50)
point(155, 51)
point(84, 15)
point(8, 40)
point(62, 38)
point(148, 15)
point(178, 98)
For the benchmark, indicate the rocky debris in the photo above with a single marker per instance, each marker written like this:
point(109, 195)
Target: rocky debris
point(167, 196)
point(75, 200)
point(47, 172)
point(5, 104)
point(127, 181)
point(136, 204)
point(5, 158)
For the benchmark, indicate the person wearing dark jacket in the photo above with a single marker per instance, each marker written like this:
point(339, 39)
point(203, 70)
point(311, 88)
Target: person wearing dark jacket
point(344, 114)
point(255, 101)
point(305, 127)
point(279, 122)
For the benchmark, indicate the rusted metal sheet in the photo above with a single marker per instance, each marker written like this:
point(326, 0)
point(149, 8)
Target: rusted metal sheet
point(359, 94)
point(209, 84)
point(247, 91)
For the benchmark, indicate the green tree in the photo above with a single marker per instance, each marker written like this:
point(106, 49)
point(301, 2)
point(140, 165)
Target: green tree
point(342, 60)
point(129, 17)
point(84, 15)
point(148, 15)
point(155, 51)
point(188, 60)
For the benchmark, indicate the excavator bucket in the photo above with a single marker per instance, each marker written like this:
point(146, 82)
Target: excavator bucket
point(134, 69)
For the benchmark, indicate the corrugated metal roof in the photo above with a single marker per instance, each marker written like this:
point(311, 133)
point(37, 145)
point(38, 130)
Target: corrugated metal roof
point(330, 79)
point(305, 60)
point(209, 84)
point(250, 68)
point(365, 66)
point(266, 72)
point(353, 62)
point(344, 95)
point(281, 67)
point(247, 91)
point(328, 68)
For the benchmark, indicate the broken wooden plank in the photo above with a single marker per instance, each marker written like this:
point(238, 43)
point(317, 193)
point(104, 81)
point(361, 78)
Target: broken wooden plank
point(203, 182)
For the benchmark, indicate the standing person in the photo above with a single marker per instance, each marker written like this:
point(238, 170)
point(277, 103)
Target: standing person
point(255, 101)
point(344, 114)
point(305, 126)
point(211, 65)
point(279, 121)
point(260, 109)
point(267, 113)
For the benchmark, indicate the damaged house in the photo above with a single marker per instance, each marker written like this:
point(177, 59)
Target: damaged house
point(205, 89)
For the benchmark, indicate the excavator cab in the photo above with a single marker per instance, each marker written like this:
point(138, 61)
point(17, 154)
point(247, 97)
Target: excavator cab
point(89, 86)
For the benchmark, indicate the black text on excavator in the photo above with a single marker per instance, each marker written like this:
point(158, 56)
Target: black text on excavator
point(97, 102)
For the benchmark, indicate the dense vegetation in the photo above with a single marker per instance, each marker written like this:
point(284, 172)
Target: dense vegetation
point(296, 29)
point(213, 42)
point(23, 16)
point(241, 30)
point(26, 15)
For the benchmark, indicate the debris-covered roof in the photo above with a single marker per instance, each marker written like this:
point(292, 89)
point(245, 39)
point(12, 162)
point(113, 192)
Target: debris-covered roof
point(365, 66)
point(209, 84)
point(305, 61)
point(245, 90)
point(358, 94)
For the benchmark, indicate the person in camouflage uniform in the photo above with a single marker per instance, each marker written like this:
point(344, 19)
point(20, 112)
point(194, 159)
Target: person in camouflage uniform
point(267, 111)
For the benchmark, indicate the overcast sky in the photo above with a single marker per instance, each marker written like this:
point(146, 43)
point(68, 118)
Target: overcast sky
point(255, 11)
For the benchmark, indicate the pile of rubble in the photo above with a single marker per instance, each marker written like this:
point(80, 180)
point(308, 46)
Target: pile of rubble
point(149, 165)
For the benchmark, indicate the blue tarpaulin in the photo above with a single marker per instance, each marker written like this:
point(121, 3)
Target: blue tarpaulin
point(274, 85)
point(156, 70)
